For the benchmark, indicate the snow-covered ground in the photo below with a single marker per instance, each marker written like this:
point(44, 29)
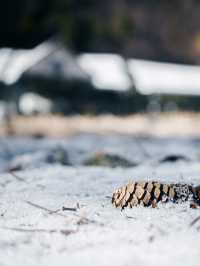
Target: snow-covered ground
point(34, 230)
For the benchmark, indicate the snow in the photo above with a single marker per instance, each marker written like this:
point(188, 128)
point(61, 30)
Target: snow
point(16, 62)
point(30, 103)
point(97, 233)
point(49, 59)
point(107, 71)
point(165, 78)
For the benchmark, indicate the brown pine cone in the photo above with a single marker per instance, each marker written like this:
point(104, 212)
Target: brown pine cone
point(150, 193)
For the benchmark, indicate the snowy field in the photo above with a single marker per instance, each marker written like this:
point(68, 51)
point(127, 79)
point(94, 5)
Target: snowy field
point(55, 208)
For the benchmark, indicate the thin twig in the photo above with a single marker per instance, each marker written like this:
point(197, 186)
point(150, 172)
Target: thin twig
point(45, 209)
point(17, 177)
point(23, 230)
point(194, 221)
point(69, 209)
point(82, 220)
point(3, 213)
point(130, 217)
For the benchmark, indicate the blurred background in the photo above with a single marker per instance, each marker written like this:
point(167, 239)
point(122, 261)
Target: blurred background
point(88, 57)
point(93, 94)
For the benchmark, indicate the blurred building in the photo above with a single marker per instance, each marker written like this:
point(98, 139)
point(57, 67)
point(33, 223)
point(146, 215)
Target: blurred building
point(49, 78)
point(165, 78)
point(48, 60)
point(48, 69)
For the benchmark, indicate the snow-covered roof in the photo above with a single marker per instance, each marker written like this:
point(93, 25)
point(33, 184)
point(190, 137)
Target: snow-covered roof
point(47, 59)
point(59, 64)
point(165, 78)
point(13, 63)
point(107, 71)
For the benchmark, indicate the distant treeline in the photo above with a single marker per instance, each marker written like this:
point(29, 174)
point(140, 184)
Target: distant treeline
point(162, 30)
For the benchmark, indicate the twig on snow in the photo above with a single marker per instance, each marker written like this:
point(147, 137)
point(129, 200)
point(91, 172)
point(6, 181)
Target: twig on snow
point(17, 177)
point(69, 209)
point(45, 209)
point(194, 221)
point(23, 230)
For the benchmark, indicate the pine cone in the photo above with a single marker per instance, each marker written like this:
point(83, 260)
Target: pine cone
point(150, 193)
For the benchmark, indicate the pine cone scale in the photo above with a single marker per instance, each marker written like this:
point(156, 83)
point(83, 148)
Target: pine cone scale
point(151, 193)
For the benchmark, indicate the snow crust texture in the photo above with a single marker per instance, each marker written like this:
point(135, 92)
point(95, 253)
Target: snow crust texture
point(59, 212)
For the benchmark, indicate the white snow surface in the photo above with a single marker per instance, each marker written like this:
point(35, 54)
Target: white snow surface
point(97, 233)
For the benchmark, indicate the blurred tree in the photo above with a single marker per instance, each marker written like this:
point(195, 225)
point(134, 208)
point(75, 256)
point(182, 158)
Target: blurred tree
point(92, 25)
point(23, 22)
point(164, 30)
